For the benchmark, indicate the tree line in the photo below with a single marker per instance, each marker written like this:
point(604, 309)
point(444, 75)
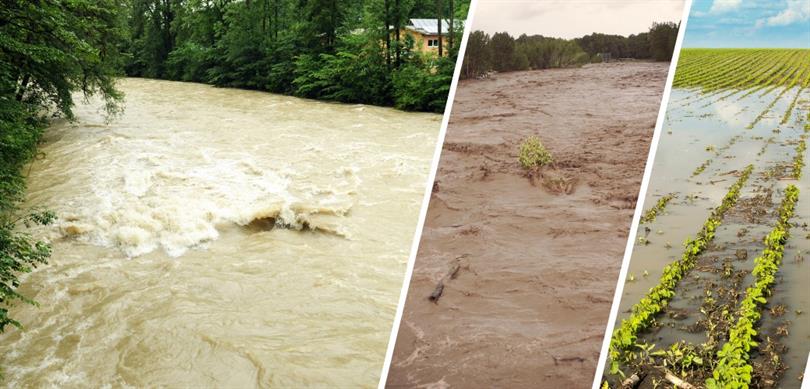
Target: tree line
point(502, 53)
point(347, 50)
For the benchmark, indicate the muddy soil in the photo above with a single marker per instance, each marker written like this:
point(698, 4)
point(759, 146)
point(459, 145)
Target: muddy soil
point(528, 265)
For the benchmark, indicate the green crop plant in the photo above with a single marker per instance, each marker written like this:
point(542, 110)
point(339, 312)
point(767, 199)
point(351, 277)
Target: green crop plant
point(643, 313)
point(533, 154)
point(702, 167)
point(659, 206)
point(726, 72)
point(798, 160)
point(732, 369)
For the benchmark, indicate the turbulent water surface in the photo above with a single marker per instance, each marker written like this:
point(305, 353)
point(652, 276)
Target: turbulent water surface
point(220, 237)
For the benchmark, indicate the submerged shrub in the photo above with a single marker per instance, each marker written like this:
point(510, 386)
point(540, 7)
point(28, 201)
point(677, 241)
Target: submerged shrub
point(533, 154)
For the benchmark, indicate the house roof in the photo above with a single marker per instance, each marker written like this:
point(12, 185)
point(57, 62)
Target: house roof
point(428, 26)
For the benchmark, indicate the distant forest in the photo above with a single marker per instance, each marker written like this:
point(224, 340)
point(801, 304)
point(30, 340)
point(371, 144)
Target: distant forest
point(345, 50)
point(503, 53)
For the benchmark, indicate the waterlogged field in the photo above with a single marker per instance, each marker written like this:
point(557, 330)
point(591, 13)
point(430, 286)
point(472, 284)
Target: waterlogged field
point(716, 290)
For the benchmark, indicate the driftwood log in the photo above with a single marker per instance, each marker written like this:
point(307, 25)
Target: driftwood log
point(451, 274)
point(437, 292)
point(675, 380)
point(631, 382)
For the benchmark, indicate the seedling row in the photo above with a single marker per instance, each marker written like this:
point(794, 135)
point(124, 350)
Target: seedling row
point(710, 320)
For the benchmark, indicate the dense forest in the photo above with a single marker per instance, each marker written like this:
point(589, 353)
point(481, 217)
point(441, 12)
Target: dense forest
point(502, 52)
point(52, 50)
point(348, 51)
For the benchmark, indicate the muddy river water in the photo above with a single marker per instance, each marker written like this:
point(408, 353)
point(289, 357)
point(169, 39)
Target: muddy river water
point(218, 237)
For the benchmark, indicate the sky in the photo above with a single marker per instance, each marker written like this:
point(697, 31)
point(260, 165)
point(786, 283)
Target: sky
point(748, 23)
point(574, 18)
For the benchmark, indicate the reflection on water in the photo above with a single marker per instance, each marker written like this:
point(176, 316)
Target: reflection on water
point(220, 237)
point(715, 130)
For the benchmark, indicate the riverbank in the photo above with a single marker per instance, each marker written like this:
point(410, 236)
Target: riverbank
point(20, 131)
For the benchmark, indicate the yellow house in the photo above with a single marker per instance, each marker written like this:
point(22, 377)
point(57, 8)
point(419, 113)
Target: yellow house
point(425, 34)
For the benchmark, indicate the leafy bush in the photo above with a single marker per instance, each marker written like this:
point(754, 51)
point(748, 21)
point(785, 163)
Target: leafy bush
point(355, 74)
point(423, 86)
point(188, 62)
point(533, 154)
point(49, 50)
point(19, 252)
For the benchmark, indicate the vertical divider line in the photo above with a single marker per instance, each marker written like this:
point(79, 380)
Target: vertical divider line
point(417, 236)
point(631, 238)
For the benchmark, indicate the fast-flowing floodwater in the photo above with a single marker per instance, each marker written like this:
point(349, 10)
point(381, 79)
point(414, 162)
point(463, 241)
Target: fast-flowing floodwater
point(219, 237)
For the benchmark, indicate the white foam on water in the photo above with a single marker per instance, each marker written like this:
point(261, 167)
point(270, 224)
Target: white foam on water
point(150, 194)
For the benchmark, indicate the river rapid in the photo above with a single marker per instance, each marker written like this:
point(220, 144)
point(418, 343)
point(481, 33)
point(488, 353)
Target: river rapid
point(220, 237)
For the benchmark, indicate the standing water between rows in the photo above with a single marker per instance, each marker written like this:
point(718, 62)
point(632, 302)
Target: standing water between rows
point(220, 237)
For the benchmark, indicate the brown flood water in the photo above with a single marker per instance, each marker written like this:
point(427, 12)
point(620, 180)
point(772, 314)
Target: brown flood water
point(219, 237)
point(537, 270)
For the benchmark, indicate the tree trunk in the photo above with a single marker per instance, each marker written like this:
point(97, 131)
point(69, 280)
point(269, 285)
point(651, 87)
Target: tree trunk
point(439, 23)
point(275, 19)
point(23, 84)
point(387, 35)
point(333, 29)
point(264, 17)
point(450, 36)
point(397, 26)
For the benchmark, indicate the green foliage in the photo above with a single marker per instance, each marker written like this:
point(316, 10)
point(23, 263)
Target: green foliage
point(19, 252)
point(478, 55)
point(48, 51)
point(423, 87)
point(742, 69)
point(188, 62)
point(502, 47)
point(533, 154)
point(658, 43)
point(732, 369)
point(662, 37)
point(798, 160)
point(702, 167)
point(643, 313)
point(659, 206)
point(345, 76)
point(323, 49)
point(504, 53)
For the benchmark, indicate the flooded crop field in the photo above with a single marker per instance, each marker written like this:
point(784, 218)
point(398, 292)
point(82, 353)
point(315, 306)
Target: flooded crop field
point(716, 292)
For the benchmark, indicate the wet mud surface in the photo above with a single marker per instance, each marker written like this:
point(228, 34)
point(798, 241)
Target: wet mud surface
point(525, 266)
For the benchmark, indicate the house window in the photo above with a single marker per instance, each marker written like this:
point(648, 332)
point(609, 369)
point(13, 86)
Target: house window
point(433, 43)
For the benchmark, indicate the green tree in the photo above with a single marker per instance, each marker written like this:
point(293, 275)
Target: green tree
point(502, 47)
point(48, 51)
point(477, 57)
point(662, 37)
